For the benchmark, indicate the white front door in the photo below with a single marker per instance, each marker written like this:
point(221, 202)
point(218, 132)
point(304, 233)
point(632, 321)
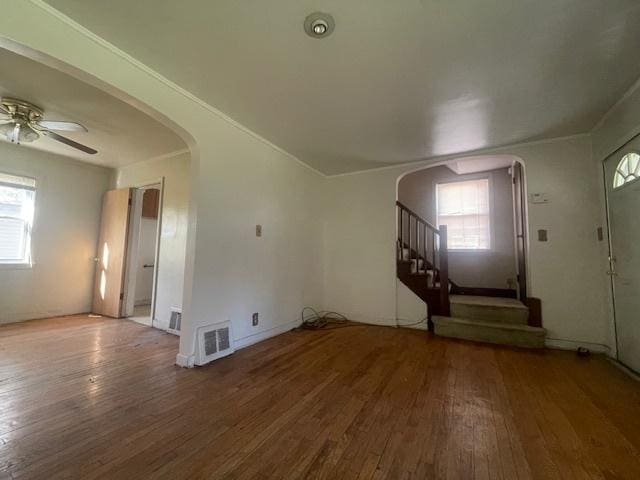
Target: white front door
point(623, 194)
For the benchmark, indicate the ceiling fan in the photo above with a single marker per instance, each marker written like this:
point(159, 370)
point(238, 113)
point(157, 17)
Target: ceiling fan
point(23, 122)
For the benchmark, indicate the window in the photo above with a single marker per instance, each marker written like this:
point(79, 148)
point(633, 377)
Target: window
point(464, 208)
point(17, 195)
point(627, 170)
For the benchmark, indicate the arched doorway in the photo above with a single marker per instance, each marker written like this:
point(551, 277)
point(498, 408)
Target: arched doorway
point(481, 200)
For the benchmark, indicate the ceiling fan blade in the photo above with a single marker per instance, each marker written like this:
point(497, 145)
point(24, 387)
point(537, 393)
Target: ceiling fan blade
point(68, 141)
point(63, 126)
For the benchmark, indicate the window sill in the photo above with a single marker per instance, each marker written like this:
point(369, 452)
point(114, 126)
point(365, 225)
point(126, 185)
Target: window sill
point(15, 266)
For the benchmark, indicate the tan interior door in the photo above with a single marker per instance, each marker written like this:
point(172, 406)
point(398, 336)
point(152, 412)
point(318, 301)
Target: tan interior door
point(624, 226)
point(112, 252)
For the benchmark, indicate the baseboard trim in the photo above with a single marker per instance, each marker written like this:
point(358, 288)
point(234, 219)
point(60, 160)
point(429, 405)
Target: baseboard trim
point(564, 344)
point(367, 319)
point(188, 361)
point(412, 324)
point(244, 342)
point(625, 369)
point(185, 361)
point(40, 316)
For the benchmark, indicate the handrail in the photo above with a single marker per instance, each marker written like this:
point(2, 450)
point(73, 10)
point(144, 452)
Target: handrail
point(428, 245)
point(411, 212)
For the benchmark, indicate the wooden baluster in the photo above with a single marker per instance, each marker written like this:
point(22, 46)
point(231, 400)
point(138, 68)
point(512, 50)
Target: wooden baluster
point(433, 258)
point(444, 273)
point(417, 246)
point(424, 248)
point(400, 234)
point(409, 235)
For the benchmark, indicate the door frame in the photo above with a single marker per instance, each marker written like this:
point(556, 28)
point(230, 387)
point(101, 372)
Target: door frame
point(521, 258)
point(610, 261)
point(136, 186)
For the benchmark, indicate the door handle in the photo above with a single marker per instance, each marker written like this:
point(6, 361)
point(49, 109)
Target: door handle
point(612, 273)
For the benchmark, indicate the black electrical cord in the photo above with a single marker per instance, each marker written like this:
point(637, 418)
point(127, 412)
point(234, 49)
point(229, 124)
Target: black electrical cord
point(411, 324)
point(328, 320)
point(323, 320)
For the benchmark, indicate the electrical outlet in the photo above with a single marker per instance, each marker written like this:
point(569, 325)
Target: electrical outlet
point(258, 230)
point(254, 319)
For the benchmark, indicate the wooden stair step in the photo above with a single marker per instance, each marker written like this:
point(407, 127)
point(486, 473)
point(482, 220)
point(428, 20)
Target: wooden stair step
point(489, 332)
point(489, 309)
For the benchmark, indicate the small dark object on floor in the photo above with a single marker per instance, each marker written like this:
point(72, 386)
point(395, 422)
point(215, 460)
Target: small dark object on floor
point(321, 320)
point(583, 352)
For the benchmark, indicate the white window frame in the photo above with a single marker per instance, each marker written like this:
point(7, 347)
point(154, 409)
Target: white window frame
point(28, 183)
point(489, 179)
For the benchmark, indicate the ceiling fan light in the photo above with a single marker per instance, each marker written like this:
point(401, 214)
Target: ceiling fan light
point(6, 130)
point(16, 133)
point(28, 135)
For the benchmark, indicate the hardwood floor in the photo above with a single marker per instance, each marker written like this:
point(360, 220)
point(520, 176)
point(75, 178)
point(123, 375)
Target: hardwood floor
point(99, 398)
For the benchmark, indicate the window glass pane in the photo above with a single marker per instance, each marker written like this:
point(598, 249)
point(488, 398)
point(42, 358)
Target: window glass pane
point(464, 208)
point(624, 166)
point(12, 239)
point(633, 162)
point(627, 170)
point(16, 217)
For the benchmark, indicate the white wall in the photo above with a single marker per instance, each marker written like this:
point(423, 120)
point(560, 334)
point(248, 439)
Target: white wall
point(566, 273)
point(173, 236)
point(487, 269)
point(237, 273)
point(65, 236)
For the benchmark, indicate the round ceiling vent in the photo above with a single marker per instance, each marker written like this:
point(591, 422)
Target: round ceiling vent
point(319, 25)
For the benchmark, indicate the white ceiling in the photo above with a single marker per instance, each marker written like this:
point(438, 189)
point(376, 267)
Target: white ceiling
point(121, 134)
point(398, 80)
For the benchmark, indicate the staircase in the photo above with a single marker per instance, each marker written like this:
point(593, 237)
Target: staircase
point(422, 265)
point(489, 319)
point(422, 260)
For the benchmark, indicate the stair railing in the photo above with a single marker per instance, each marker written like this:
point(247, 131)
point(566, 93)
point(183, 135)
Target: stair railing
point(425, 242)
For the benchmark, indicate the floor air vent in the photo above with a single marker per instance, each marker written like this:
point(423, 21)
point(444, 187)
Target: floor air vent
point(175, 321)
point(214, 341)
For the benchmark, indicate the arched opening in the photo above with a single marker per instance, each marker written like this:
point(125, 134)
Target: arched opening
point(461, 231)
point(139, 151)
